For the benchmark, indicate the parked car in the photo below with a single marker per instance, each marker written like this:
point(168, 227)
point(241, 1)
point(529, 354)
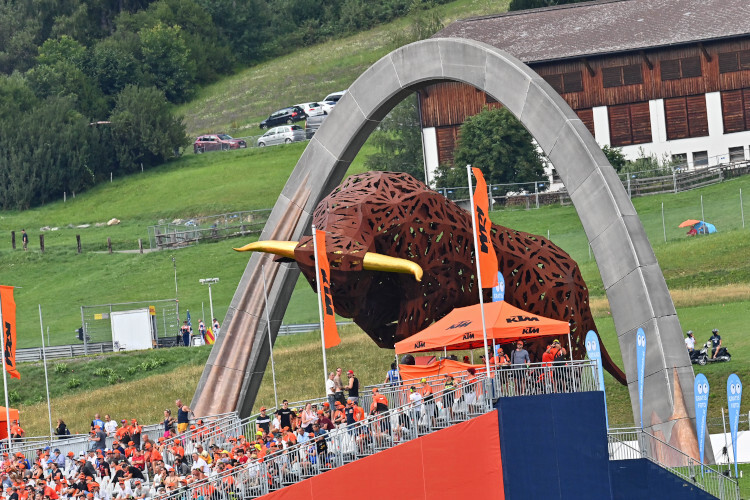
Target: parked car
point(287, 115)
point(335, 96)
point(217, 142)
point(312, 108)
point(327, 106)
point(286, 134)
point(312, 125)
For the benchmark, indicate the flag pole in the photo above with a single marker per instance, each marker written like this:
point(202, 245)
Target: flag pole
point(479, 272)
point(46, 378)
point(320, 305)
point(5, 379)
point(270, 344)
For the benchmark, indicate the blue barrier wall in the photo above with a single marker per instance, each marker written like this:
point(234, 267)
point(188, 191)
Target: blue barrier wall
point(644, 480)
point(554, 447)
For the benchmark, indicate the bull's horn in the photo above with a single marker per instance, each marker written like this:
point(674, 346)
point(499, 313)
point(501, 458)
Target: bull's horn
point(372, 261)
point(280, 248)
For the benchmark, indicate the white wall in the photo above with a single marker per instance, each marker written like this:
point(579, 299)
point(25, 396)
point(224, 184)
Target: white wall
point(430, 151)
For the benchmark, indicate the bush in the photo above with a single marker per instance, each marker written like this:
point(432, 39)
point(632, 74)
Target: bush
point(104, 372)
point(73, 383)
point(61, 368)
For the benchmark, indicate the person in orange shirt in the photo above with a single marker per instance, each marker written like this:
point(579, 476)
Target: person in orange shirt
point(130, 450)
point(135, 433)
point(16, 432)
point(429, 400)
point(123, 433)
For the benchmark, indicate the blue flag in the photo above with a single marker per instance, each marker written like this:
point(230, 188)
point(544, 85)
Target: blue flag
point(700, 391)
point(498, 292)
point(734, 397)
point(594, 353)
point(188, 318)
point(640, 359)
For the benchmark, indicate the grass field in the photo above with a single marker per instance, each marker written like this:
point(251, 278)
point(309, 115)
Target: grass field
point(237, 104)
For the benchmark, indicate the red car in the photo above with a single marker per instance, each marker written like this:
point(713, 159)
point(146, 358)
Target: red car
point(217, 142)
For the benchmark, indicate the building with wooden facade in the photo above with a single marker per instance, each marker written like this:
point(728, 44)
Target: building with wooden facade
point(664, 77)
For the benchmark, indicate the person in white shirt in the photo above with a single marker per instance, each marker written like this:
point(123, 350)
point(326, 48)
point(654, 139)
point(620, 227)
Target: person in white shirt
point(330, 390)
point(416, 401)
point(110, 426)
point(199, 463)
point(690, 341)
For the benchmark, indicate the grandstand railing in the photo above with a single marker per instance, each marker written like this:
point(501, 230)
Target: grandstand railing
point(635, 443)
point(345, 444)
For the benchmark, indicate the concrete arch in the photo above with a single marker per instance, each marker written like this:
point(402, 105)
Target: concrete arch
point(634, 283)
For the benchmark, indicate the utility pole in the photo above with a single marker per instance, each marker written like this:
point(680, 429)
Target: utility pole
point(209, 282)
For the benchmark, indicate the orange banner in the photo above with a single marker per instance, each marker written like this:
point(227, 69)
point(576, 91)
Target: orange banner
point(330, 332)
point(487, 255)
point(8, 309)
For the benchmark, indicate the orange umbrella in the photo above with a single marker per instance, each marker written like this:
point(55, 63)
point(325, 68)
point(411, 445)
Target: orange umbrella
point(462, 328)
point(689, 223)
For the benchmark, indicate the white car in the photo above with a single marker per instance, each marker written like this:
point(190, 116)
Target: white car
point(313, 108)
point(327, 106)
point(286, 134)
point(335, 96)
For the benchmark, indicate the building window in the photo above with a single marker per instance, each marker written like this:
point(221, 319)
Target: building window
point(629, 124)
point(587, 117)
point(622, 75)
point(674, 69)
point(735, 110)
point(679, 159)
point(686, 117)
point(700, 158)
point(734, 61)
point(564, 83)
point(737, 154)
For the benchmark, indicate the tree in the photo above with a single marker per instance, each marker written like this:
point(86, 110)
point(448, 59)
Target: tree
point(496, 142)
point(399, 141)
point(615, 157)
point(167, 61)
point(144, 130)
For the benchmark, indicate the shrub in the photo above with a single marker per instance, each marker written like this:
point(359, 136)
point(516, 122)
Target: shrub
point(61, 368)
point(73, 383)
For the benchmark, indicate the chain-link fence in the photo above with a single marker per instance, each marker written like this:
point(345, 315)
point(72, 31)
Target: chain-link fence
point(97, 324)
point(179, 233)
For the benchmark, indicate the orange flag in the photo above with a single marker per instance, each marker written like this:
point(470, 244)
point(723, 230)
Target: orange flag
point(8, 309)
point(330, 332)
point(487, 255)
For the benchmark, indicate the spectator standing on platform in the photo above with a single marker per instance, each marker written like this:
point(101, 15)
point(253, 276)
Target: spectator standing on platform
point(110, 426)
point(183, 418)
point(135, 433)
point(331, 390)
point(285, 415)
point(519, 358)
point(202, 330)
point(392, 378)
point(338, 387)
point(216, 328)
point(353, 386)
point(97, 421)
point(415, 398)
point(263, 421)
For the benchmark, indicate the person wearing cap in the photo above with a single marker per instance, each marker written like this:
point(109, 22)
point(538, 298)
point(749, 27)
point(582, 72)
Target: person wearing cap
point(690, 341)
point(123, 433)
point(352, 386)
point(135, 433)
point(263, 421)
point(415, 399)
point(325, 422)
point(715, 340)
point(339, 417)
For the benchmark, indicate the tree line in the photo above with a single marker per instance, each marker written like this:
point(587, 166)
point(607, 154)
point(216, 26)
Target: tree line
point(87, 86)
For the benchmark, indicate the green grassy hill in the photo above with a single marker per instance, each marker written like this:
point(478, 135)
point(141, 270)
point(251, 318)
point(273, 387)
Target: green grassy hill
point(238, 103)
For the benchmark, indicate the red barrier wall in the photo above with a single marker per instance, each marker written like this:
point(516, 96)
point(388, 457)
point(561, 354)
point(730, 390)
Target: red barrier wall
point(462, 461)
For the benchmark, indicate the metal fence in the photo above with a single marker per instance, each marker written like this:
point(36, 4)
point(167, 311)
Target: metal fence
point(62, 351)
point(97, 325)
point(180, 233)
point(634, 443)
point(377, 432)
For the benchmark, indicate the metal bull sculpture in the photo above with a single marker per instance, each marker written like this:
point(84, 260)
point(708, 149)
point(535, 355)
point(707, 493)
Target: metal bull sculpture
point(384, 226)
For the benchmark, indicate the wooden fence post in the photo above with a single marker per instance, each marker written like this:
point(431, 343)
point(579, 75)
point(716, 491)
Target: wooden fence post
point(41, 242)
point(13, 239)
point(78, 242)
point(140, 245)
point(109, 244)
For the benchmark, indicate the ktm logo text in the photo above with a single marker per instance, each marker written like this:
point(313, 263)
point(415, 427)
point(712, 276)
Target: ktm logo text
point(468, 336)
point(529, 329)
point(519, 319)
point(460, 324)
point(419, 344)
